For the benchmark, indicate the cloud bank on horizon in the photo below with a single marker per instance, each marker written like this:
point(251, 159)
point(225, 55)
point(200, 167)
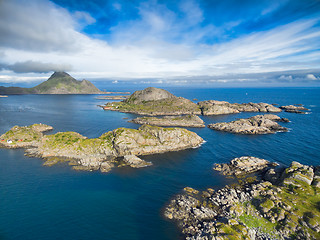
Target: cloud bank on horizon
point(186, 41)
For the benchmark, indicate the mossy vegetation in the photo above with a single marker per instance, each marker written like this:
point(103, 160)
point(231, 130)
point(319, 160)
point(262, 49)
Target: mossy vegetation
point(27, 134)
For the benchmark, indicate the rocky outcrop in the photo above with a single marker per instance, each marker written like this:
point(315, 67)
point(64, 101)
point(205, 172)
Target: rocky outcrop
point(253, 209)
point(166, 106)
point(213, 107)
point(149, 94)
point(260, 124)
point(103, 152)
point(243, 165)
point(294, 109)
point(173, 121)
point(135, 162)
point(297, 173)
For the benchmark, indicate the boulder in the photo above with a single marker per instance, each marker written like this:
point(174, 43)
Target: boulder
point(297, 173)
point(135, 162)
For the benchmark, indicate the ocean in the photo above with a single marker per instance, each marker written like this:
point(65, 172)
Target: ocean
point(38, 202)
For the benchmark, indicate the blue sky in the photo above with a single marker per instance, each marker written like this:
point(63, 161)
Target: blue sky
point(176, 42)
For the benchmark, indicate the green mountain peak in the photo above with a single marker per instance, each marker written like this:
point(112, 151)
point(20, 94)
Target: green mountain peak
point(58, 83)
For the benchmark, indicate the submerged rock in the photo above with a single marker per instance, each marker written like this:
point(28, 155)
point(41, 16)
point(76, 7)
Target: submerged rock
point(260, 124)
point(174, 121)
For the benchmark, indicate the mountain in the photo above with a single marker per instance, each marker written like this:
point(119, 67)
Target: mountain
point(58, 83)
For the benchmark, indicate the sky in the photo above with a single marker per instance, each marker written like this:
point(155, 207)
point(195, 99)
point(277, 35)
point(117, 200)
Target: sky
point(178, 42)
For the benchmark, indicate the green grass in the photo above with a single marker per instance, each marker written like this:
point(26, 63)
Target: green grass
point(257, 222)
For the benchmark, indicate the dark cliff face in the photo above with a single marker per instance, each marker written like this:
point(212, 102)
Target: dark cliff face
point(58, 83)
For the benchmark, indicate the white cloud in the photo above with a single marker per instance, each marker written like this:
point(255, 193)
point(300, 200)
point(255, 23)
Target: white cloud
point(37, 25)
point(287, 78)
point(311, 77)
point(144, 48)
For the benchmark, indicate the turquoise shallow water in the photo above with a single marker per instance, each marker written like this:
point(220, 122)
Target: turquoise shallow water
point(38, 202)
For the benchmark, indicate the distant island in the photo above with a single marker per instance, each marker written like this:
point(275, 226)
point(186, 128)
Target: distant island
point(58, 83)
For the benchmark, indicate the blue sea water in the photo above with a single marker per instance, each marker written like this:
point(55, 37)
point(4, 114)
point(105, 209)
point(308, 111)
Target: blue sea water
point(38, 202)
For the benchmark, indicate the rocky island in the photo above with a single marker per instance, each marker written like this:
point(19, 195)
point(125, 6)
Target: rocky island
point(174, 121)
point(58, 83)
point(283, 204)
point(158, 102)
point(213, 107)
point(260, 124)
point(154, 102)
point(104, 152)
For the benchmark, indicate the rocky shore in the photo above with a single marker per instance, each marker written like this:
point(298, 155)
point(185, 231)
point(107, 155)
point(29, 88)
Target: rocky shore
point(102, 153)
point(260, 124)
point(283, 204)
point(173, 121)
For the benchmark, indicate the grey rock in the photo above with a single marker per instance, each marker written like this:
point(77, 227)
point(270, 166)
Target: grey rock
point(135, 162)
point(260, 124)
point(294, 109)
point(298, 172)
point(149, 94)
point(213, 107)
point(243, 165)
